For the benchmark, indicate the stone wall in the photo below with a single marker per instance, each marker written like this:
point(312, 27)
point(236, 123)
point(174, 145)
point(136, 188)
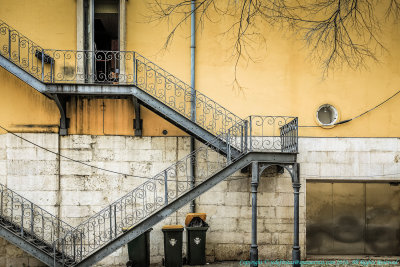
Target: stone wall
point(75, 191)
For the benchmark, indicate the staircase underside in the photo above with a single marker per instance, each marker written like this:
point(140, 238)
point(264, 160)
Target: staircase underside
point(27, 242)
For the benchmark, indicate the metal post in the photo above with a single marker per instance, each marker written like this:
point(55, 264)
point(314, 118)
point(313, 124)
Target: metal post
point(246, 127)
point(166, 187)
point(241, 138)
point(22, 218)
point(251, 145)
point(228, 147)
point(254, 186)
point(1, 207)
point(42, 65)
point(296, 188)
point(134, 69)
point(32, 219)
point(73, 240)
point(110, 222)
point(9, 44)
point(115, 220)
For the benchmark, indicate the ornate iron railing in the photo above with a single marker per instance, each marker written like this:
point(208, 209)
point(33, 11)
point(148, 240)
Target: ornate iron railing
point(129, 67)
point(170, 184)
point(29, 219)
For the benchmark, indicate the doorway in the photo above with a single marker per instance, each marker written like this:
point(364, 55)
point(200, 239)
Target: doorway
point(106, 40)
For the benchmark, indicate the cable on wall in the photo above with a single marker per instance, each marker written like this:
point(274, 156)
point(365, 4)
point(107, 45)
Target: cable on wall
point(356, 117)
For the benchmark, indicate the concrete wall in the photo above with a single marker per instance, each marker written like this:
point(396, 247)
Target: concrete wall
point(75, 192)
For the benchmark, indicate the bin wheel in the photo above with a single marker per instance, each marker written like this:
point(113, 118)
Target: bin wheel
point(129, 264)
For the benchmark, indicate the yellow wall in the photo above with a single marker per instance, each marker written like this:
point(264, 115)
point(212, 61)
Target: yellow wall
point(284, 81)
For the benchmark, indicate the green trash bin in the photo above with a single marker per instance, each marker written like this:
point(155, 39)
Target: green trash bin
point(196, 229)
point(173, 245)
point(139, 250)
point(196, 245)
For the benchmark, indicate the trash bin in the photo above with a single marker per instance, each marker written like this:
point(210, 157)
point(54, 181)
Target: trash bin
point(173, 245)
point(196, 229)
point(139, 250)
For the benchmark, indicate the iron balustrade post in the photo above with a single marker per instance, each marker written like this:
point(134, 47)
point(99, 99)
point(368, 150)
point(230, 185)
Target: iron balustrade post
point(62, 251)
point(9, 44)
point(32, 218)
point(1, 202)
point(246, 126)
point(81, 249)
point(134, 68)
point(241, 138)
point(42, 65)
point(22, 218)
point(228, 147)
point(12, 207)
point(73, 243)
point(54, 253)
point(166, 187)
point(250, 134)
point(110, 222)
point(115, 220)
point(254, 185)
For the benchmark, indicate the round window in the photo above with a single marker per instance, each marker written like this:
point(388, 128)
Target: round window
point(327, 115)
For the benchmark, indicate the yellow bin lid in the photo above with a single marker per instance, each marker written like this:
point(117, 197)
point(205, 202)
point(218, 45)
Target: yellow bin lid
point(190, 216)
point(178, 226)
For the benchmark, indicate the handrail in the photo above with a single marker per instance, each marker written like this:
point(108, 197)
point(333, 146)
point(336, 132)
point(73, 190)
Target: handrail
point(31, 219)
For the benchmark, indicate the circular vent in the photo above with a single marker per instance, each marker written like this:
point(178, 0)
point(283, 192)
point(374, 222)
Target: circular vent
point(327, 115)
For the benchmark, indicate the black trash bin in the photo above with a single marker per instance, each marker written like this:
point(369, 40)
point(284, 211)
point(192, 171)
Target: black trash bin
point(173, 245)
point(196, 241)
point(139, 250)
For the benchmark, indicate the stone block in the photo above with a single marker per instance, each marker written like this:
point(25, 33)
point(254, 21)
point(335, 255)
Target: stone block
point(33, 182)
point(25, 167)
point(139, 143)
point(228, 211)
point(41, 198)
point(110, 142)
point(84, 155)
point(284, 212)
point(46, 155)
point(3, 167)
point(47, 140)
point(237, 198)
point(222, 224)
point(266, 212)
point(74, 168)
point(21, 153)
point(213, 198)
point(83, 198)
point(77, 142)
point(231, 252)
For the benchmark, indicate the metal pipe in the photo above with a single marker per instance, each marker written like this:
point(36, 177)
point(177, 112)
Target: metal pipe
point(193, 96)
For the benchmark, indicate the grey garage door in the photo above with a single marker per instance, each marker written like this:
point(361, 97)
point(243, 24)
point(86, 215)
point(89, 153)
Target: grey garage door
point(353, 219)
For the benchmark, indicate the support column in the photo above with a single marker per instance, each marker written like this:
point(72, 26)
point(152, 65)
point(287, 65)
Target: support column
point(254, 185)
point(61, 102)
point(296, 189)
point(137, 122)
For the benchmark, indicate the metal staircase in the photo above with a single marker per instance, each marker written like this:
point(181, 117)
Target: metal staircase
point(31, 228)
point(229, 142)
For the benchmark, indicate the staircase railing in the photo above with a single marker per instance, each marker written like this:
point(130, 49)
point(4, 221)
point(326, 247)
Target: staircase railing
point(29, 219)
point(168, 185)
point(114, 67)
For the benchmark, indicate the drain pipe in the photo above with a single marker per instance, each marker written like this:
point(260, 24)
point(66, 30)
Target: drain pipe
point(193, 95)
